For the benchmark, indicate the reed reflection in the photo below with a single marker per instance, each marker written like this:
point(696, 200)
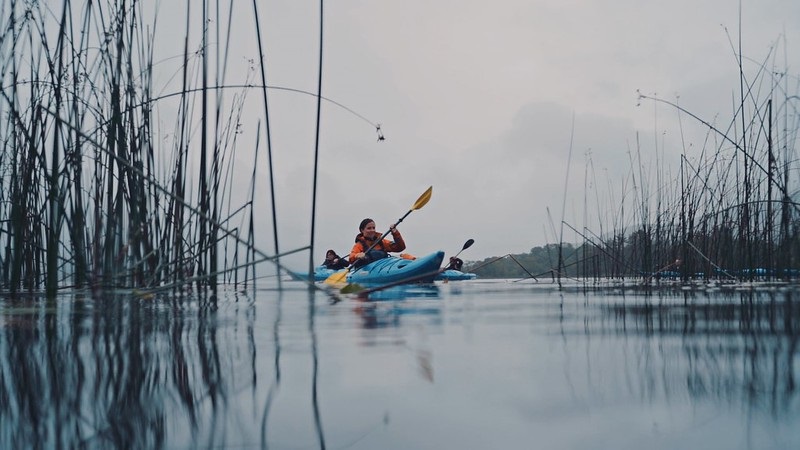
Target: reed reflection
point(315, 369)
point(119, 371)
point(731, 347)
point(275, 385)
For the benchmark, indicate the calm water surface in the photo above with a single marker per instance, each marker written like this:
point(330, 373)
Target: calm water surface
point(468, 365)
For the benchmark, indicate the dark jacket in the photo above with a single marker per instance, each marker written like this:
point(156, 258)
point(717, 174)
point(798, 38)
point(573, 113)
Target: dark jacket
point(336, 263)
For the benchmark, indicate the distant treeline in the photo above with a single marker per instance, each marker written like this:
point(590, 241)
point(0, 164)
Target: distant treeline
point(539, 261)
point(634, 257)
point(575, 261)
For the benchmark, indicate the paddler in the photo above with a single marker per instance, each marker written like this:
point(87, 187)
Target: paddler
point(365, 252)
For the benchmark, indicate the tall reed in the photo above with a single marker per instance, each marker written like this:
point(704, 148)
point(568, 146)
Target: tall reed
point(91, 194)
point(729, 213)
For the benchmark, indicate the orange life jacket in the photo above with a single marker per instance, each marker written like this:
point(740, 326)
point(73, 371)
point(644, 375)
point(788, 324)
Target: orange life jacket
point(362, 244)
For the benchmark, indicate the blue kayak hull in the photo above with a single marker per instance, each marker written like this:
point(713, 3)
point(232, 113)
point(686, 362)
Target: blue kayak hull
point(392, 269)
point(321, 273)
point(455, 275)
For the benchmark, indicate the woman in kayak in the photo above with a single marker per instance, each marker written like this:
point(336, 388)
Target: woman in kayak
point(334, 261)
point(364, 252)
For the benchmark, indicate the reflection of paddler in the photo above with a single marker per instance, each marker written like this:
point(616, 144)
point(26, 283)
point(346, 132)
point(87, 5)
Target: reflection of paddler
point(425, 365)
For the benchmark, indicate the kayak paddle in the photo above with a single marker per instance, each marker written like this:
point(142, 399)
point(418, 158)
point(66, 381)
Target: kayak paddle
point(341, 276)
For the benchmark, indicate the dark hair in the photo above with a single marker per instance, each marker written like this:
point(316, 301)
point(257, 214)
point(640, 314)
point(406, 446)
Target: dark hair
point(331, 251)
point(364, 224)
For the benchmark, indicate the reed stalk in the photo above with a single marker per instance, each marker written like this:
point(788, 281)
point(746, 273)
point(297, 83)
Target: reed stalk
point(91, 194)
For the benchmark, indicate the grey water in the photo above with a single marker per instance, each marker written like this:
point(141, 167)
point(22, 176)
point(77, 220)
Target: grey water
point(483, 364)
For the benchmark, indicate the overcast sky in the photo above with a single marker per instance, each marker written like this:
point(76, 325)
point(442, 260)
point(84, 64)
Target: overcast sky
point(485, 101)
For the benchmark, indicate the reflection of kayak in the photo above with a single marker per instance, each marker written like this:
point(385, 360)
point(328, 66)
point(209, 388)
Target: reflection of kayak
point(392, 269)
point(404, 291)
point(455, 275)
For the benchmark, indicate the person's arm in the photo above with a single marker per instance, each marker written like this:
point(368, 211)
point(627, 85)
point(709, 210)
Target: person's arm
point(356, 252)
point(399, 244)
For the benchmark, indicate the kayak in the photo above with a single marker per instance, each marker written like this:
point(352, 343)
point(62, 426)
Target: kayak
point(393, 269)
point(321, 273)
point(455, 275)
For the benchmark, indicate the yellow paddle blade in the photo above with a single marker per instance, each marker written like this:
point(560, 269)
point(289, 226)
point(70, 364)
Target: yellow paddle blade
point(337, 277)
point(423, 199)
